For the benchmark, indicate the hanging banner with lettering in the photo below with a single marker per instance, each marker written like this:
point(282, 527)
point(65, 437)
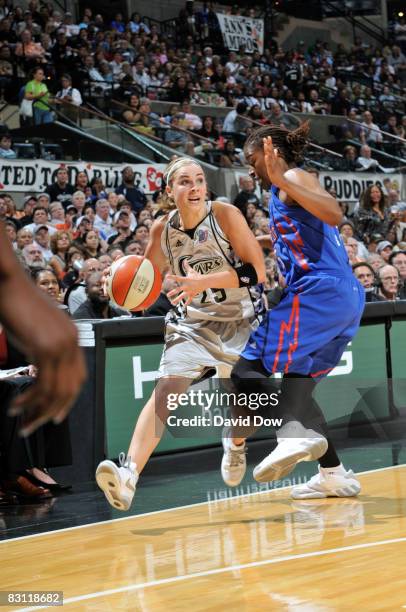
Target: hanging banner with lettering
point(350, 185)
point(34, 175)
point(240, 31)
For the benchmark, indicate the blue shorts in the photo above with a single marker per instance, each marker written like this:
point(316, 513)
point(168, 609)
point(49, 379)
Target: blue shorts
point(308, 331)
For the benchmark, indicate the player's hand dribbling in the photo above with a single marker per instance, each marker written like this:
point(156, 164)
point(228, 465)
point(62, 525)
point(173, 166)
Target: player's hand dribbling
point(188, 286)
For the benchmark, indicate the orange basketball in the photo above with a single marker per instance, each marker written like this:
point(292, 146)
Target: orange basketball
point(134, 282)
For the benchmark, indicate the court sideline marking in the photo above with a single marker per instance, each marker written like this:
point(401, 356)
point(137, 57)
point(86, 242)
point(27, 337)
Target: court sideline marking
point(207, 502)
point(221, 570)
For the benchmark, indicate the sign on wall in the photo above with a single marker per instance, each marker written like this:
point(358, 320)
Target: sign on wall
point(350, 185)
point(240, 31)
point(34, 175)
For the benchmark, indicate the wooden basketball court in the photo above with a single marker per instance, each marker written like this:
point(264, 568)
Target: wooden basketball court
point(258, 551)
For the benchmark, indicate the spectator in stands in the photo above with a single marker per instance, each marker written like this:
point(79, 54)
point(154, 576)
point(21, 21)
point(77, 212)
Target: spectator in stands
point(60, 244)
point(348, 129)
point(76, 294)
point(372, 215)
point(132, 193)
point(341, 104)
point(278, 117)
point(189, 120)
point(347, 230)
point(82, 184)
point(61, 190)
point(349, 161)
point(122, 234)
point(6, 152)
point(176, 139)
point(372, 134)
point(246, 195)
point(92, 244)
point(40, 218)
point(78, 201)
point(365, 273)
point(366, 163)
point(29, 202)
point(46, 279)
point(134, 247)
point(33, 257)
point(57, 214)
point(132, 115)
point(230, 157)
point(234, 122)
point(179, 91)
point(398, 259)
point(11, 230)
point(389, 282)
point(37, 92)
point(29, 53)
point(384, 249)
point(44, 200)
point(23, 238)
point(69, 98)
point(97, 304)
point(42, 238)
point(102, 221)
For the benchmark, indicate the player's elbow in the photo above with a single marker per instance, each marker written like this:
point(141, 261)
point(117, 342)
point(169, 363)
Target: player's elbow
point(335, 218)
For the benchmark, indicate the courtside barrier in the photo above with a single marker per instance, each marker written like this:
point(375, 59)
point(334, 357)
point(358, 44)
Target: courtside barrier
point(366, 389)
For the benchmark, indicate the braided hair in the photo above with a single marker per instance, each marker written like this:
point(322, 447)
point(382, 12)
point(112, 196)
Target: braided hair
point(290, 144)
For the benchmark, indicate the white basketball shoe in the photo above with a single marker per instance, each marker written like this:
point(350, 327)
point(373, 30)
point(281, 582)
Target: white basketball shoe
point(118, 482)
point(329, 482)
point(295, 443)
point(234, 462)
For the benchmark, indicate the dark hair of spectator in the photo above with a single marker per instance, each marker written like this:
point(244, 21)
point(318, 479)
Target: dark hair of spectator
point(361, 264)
point(395, 254)
point(39, 208)
point(366, 201)
point(290, 144)
point(36, 272)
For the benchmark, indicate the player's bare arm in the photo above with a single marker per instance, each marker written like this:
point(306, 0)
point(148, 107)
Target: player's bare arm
point(153, 250)
point(49, 340)
point(301, 187)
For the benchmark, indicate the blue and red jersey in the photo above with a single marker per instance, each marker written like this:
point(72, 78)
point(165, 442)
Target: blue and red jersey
point(304, 244)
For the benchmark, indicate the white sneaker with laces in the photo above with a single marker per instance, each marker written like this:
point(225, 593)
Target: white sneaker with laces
point(289, 451)
point(117, 482)
point(234, 462)
point(328, 483)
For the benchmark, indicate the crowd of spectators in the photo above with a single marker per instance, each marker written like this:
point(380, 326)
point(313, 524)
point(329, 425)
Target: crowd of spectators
point(62, 62)
point(76, 231)
point(66, 236)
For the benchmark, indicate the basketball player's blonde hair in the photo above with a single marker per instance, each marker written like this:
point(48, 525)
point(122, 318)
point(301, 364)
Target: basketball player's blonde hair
point(166, 202)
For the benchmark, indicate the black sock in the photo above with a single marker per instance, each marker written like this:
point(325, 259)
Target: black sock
point(297, 403)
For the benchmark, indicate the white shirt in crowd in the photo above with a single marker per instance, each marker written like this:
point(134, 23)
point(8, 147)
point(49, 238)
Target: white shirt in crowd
point(73, 92)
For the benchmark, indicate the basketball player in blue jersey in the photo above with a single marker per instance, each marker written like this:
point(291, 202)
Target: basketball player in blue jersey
point(304, 336)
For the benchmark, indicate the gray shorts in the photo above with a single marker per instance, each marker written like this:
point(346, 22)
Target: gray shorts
point(193, 346)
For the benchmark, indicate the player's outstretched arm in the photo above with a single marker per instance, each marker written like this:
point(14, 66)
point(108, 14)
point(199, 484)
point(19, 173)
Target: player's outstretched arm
point(302, 187)
point(47, 337)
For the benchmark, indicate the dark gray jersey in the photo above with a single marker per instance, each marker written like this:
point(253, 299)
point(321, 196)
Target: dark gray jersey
point(207, 252)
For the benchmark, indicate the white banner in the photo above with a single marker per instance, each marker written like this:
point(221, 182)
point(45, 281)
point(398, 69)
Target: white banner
point(34, 175)
point(350, 185)
point(242, 31)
